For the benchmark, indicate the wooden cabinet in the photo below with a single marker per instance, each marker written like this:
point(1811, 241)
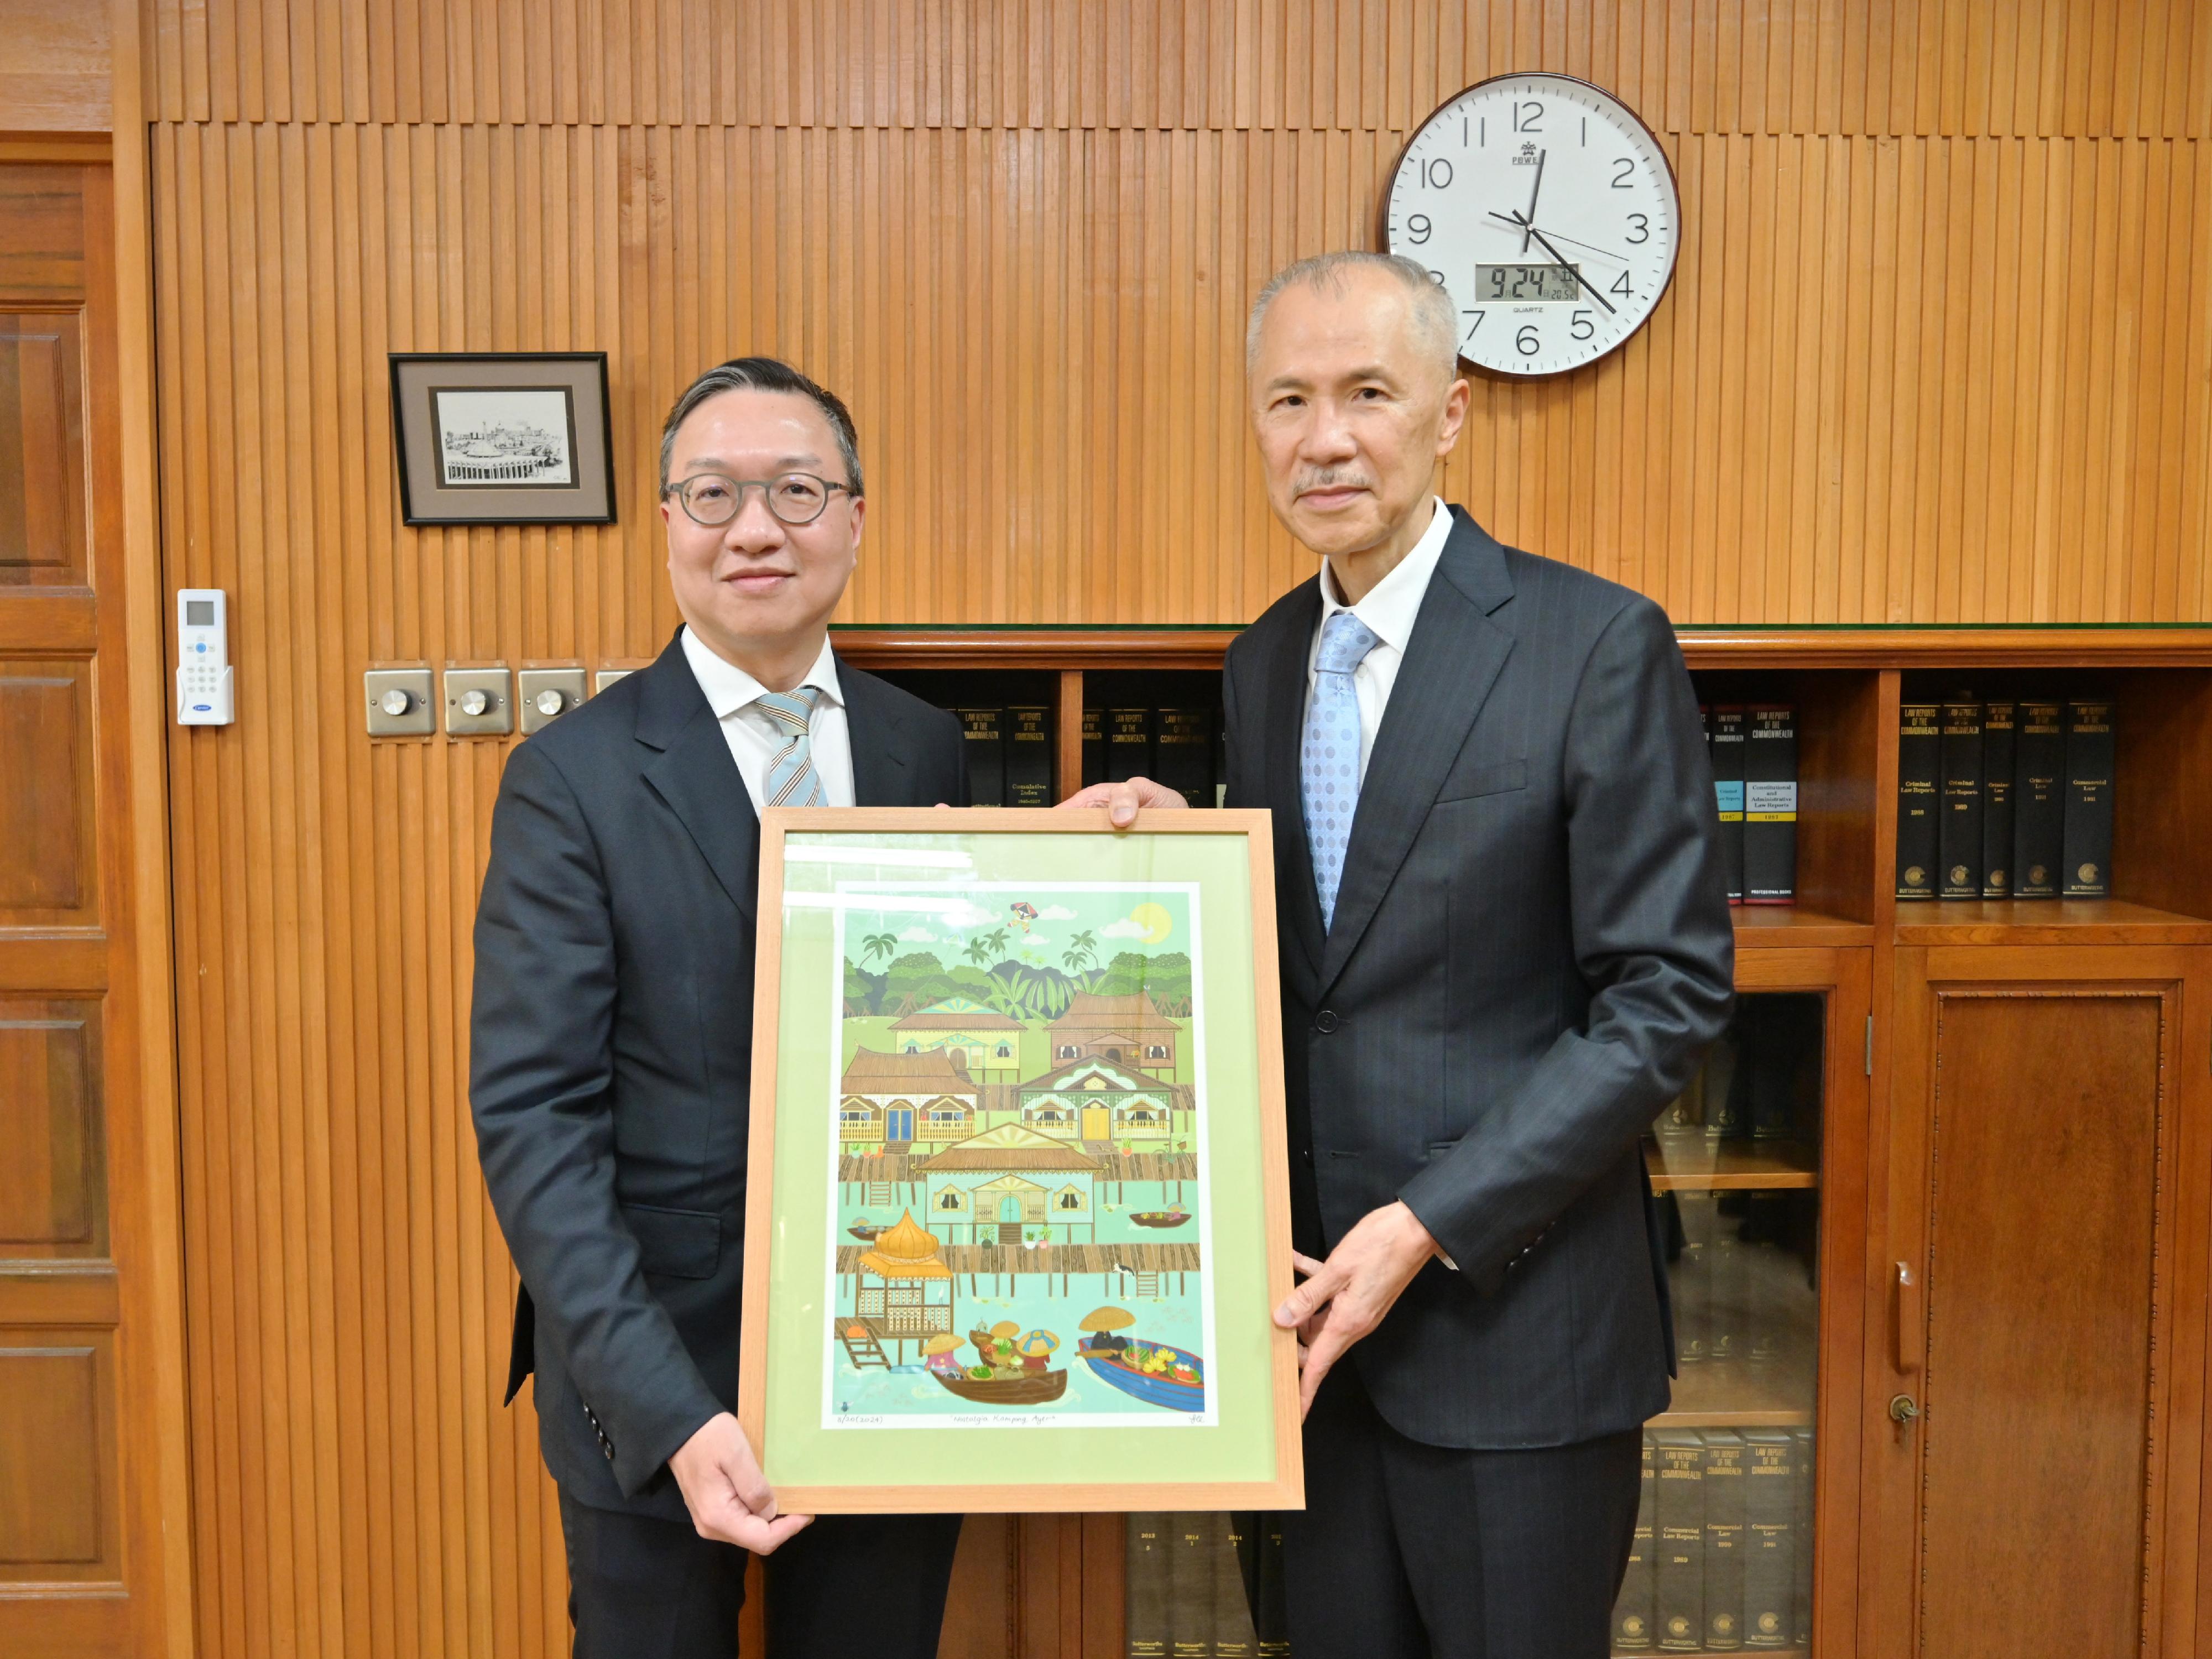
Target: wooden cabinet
point(2009, 1189)
point(2043, 1249)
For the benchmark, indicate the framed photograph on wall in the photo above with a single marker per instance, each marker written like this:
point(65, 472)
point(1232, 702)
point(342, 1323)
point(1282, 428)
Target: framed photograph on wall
point(1017, 1204)
point(502, 437)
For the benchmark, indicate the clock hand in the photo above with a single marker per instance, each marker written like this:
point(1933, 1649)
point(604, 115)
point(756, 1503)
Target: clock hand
point(1534, 191)
point(1513, 219)
point(1554, 253)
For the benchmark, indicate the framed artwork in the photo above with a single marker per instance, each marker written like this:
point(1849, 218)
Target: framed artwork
point(1018, 1209)
point(502, 437)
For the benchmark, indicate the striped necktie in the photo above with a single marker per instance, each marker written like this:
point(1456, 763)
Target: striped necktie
point(791, 779)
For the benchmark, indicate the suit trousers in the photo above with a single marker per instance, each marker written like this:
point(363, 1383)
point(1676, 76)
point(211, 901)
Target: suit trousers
point(1407, 1551)
point(642, 1588)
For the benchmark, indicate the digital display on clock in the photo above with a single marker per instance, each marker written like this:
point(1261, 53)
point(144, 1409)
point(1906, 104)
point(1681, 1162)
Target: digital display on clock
point(1511, 282)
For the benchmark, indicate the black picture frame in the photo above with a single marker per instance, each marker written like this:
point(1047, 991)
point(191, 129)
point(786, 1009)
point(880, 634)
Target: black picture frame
point(518, 482)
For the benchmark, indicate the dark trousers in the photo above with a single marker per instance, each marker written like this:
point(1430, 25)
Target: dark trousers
point(641, 1587)
point(1406, 1551)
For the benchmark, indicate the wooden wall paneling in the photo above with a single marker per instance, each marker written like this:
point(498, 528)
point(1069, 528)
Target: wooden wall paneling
point(55, 78)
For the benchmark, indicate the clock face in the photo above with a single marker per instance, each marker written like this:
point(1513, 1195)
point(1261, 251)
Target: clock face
point(1548, 211)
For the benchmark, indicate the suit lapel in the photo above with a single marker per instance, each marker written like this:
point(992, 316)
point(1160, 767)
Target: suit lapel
point(1451, 662)
point(1283, 721)
point(881, 776)
point(691, 768)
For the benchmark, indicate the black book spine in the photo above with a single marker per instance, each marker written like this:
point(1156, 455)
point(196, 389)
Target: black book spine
point(1690, 1284)
point(1634, 1629)
point(1727, 747)
point(1184, 738)
point(2000, 752)
point(1724, 1540)
point(1680, 1128)
point(1274, 1617)
point(1094, 746)
point(2038, 826)
point(1768, 1065)
point(1959, 843)
point(1029, 756)
point(1128, 744)
point(1144, 1598)
point(1190, 1587)
point(1680, 1577)
point(1919, 764)
point(2088, 864)
point(1769, 1519)
point(1728, 1318)
point(1769, 807)
point(1801, 1596)
point(986, 731)
point(1233, 1637)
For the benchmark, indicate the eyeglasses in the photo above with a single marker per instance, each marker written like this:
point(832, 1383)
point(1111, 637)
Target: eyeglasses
point(795, 498)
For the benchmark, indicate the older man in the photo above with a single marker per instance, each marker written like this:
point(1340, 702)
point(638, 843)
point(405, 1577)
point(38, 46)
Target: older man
point(612, 1042)
point(1505, 944)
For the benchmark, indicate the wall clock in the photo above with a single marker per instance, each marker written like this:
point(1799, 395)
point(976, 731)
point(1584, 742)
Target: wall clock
point(1548, 209)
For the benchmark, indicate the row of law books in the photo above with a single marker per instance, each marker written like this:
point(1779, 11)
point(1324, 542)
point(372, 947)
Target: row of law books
point(1753, 751)
point(1723, 1558)
point(1761, 1081)
point(1009, 755)
point(1205, 1586)
point(1740, 1278)
point(2004, 799)
point(1180, 747)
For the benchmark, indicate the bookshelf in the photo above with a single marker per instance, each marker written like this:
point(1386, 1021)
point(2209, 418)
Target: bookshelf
point(1958, 1042)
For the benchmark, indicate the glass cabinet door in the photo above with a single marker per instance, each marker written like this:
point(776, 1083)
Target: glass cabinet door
point(1723, 1554)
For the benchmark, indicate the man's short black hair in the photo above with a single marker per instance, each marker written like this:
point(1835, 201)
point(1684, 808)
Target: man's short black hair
point(765, 374)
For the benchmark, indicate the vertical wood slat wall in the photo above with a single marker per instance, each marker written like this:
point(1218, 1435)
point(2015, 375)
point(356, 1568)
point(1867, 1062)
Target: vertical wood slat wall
point(1937, 350)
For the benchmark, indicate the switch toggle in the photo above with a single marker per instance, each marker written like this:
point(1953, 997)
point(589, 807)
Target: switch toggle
point(399, 702)
point(546, 694)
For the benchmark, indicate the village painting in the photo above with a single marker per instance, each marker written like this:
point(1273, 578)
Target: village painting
point(1020, 1213)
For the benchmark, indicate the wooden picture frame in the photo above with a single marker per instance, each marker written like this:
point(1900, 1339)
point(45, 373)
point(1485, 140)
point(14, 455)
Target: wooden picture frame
point(502, 437)
point(1095, 1089)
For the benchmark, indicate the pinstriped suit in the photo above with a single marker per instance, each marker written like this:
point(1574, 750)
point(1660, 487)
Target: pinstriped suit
point(1530, 951)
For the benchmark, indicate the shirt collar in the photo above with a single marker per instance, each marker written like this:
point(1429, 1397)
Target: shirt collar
point(1390, 607)
point(728, 687)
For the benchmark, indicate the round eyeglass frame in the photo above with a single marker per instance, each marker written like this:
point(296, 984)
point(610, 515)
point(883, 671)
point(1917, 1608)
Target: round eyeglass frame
point(681, 491)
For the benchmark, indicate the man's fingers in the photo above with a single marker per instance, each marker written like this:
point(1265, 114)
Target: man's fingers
point(1319, 1358)
point(765, 1537)
point(1306, 1264)
point(1325, 1280)
point(1088, 799)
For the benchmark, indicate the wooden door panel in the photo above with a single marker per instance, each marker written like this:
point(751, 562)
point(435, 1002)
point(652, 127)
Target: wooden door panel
point(2046, 1152)
point(49, 1431)
point(41, 448)
point(51, 1197)
point(46, 877)
point(2039, 1296)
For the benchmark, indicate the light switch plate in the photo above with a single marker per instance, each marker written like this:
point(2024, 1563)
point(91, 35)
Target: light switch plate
point(607, 676)
point(494, 718)
point(419, 719)
point(532, 685)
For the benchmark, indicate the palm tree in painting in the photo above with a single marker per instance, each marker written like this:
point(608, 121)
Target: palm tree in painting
point(979, 950)
point(878, 945)
point(1082, 951)
point(996, 941)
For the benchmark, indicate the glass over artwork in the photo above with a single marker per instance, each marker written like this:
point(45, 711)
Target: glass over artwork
point(1023, 1140)
point(1019, 1170)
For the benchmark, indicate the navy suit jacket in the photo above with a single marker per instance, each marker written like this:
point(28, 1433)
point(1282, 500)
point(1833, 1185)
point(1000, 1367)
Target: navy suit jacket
point(1530, 953)
point(610, 1053)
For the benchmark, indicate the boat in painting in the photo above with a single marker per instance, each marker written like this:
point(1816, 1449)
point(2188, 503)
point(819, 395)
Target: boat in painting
point(1032, 1389)
point(1179, 1386)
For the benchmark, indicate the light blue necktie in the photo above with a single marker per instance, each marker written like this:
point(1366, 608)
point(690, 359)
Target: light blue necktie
point(791, 779)
point(1328, 769)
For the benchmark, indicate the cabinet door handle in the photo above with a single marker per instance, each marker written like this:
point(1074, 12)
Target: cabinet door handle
point(1911, 1332)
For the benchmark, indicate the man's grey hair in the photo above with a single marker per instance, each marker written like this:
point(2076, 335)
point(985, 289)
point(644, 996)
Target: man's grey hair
point(765, 374)
point(1433, 316)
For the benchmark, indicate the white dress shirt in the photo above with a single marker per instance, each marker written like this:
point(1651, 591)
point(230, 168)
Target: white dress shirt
point(1388, 610)
point(756, 739)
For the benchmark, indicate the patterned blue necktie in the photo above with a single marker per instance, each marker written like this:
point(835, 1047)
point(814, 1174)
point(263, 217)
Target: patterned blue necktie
point(1328, 769)
point(791, 779)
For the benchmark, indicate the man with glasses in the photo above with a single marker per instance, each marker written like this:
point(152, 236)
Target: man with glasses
point(612, 1037)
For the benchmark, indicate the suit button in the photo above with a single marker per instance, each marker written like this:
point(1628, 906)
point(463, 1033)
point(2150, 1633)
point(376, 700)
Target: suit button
point(1325, 1022)
point(1307, 1154)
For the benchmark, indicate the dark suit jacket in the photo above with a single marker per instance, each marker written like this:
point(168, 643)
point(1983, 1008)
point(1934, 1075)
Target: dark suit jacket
point(610, 1053)
point(1530, 953)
